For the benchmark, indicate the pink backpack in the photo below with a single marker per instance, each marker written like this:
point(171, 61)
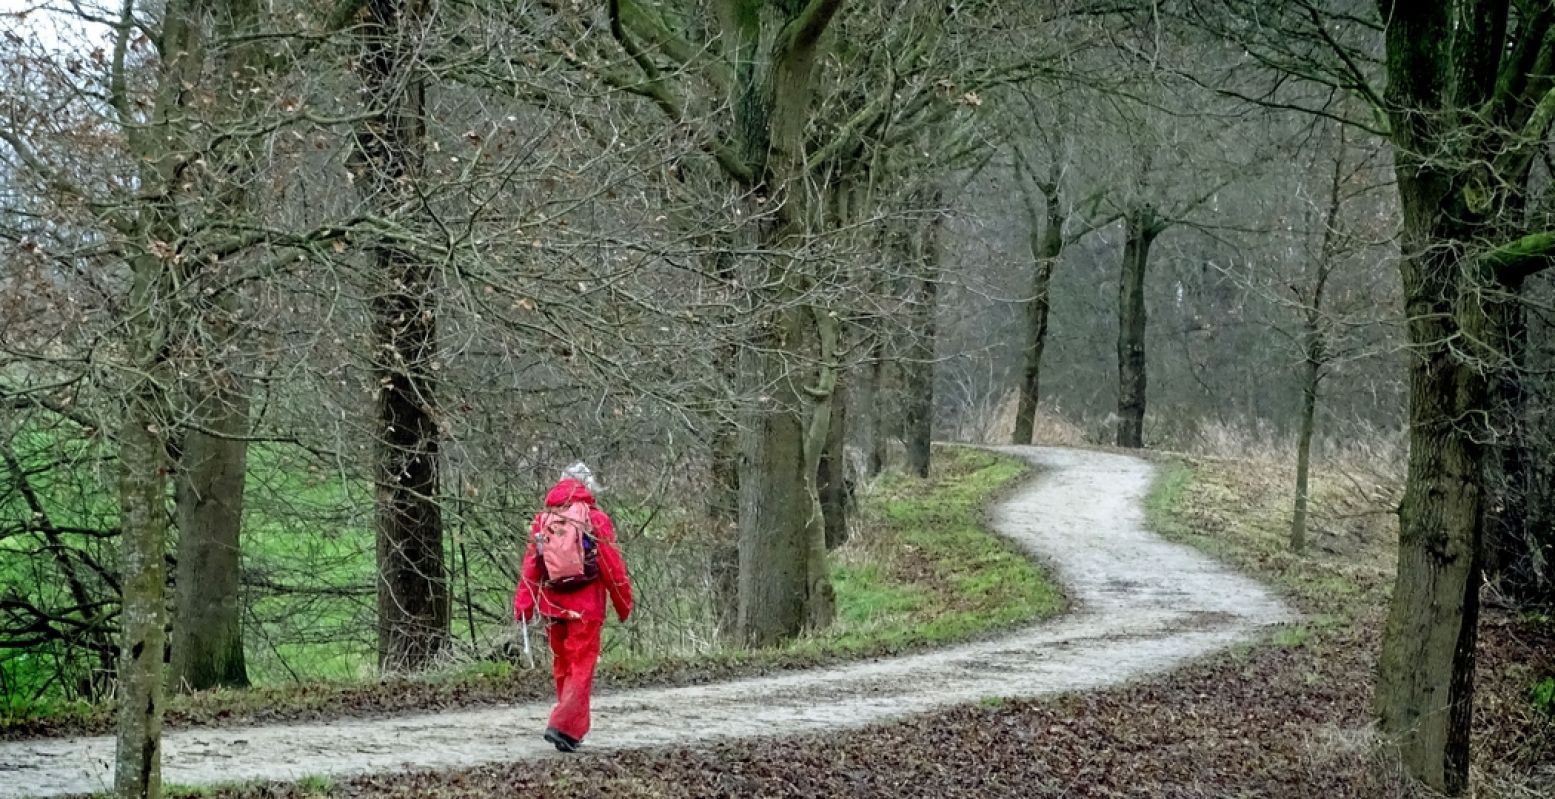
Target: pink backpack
point(565, 543)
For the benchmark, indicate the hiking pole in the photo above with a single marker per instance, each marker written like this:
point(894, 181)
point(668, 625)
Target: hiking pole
point(528, 655)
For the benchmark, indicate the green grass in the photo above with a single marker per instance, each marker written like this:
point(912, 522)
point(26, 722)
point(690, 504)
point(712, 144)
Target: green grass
point(923, 569)
point(927, 570)
point(1291, 637)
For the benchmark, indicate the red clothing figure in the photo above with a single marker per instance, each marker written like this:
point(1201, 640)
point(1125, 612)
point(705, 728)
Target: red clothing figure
point(574, 618)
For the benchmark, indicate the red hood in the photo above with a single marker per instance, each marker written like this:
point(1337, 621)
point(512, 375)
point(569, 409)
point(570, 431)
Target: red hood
point(567, 492)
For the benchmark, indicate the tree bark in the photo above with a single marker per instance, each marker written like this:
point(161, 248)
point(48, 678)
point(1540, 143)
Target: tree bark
point(211, 471)
point(143, 522)
point(1425, 684)
point(1311, 375)
point(775, 507)
point(1046, 241)
point(832, 478)
point(1425, 679)
point(1424, 689)
point(920, 377)
point(413, 598)
point(152, 319)
point(784, 583)
point(1143, 226)
point(208, 629)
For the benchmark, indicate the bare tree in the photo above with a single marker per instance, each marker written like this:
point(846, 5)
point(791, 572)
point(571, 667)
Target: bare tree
point(1049, 234)
point(413, 604)
point(212, 450)
point(1466, 107)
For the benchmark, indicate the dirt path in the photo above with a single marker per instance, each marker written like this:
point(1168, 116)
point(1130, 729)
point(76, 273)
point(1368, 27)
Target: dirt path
point(1141, 605)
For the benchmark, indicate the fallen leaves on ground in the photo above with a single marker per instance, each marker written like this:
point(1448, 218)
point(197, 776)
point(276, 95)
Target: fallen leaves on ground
point(1271, 722)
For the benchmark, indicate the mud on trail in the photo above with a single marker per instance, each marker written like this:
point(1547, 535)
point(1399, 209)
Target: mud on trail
point(1140, 606)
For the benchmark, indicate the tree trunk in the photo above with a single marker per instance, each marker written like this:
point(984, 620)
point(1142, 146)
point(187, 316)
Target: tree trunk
point(775, 506)
point(413, 599)
point(1451, 187)
point(1309, 387)
point(863, 410)
point(208, 631)
point(1426, 670)
point(143, 522)
point(784, 583)
point(1047, 244)
point(1143, 227)
point(920, 379)
point(1315, 349)
point(1425, 678)
point(1513, 551)
point(413, 609)
point(153, 315)
point(209, 480)
point(880, 430)
point(833, 478)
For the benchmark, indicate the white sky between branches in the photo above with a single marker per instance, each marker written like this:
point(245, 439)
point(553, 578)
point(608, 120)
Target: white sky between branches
point(57, 25)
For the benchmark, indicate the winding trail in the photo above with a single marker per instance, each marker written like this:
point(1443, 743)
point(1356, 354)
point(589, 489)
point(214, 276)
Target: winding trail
point(1141, 605)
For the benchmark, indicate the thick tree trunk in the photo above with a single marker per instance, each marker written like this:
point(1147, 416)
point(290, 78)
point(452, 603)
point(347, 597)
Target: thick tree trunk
point(775, 506)
point(413, 599)
point(1047, 244)
point(1452, 189)
point(208, 630)
point(1426, 670)
point(1143, 227)
point(207, 647)
point(413, 609)
point(1425, 679)
point(784, 583)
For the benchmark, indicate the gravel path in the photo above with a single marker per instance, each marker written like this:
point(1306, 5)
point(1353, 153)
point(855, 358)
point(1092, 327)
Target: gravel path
point(1141, 605)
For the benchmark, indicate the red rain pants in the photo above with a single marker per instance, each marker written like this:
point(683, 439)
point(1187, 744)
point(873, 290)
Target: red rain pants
point(574, 651)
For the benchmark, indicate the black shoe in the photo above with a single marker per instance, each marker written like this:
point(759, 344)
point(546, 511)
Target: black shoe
point(562, 741)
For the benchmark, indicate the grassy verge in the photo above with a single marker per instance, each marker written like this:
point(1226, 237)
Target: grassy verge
point(922, 570)
point(925, 569)
point(1239, 512)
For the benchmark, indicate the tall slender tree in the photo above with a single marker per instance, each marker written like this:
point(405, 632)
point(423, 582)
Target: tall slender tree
point(162, 150)
point(210, 475)
point(413, 599)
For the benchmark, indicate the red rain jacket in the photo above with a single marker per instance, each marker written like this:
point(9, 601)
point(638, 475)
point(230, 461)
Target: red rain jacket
point(587, 602)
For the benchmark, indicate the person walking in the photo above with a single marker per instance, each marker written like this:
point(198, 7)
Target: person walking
point(571, 565)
